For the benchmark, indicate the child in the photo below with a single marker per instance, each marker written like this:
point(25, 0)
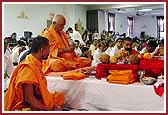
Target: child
point(86, 53)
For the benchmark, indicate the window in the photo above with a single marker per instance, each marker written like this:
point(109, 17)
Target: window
point(160, 27)
point(111, 22)
point(130, 26)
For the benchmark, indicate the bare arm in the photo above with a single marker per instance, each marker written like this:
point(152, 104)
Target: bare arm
point(29, 98)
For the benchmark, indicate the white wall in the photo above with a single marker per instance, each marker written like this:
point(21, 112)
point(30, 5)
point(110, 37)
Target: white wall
point(121, 23)
point(101, 21)
point(147, 24)
point(106, 20)
point(38, 15)
point(141, 23)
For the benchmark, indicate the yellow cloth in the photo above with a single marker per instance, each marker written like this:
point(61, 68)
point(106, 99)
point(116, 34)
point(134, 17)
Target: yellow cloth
point(69, 61)
point(30, 72)
point(121, 76)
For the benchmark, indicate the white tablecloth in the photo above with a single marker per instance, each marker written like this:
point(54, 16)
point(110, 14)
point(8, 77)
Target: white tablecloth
point(98, 95)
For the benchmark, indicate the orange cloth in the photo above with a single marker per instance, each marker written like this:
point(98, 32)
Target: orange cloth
point(85, 70)
point(74, 76)
point(71, 61)
point(121, 76)
point(30, 72)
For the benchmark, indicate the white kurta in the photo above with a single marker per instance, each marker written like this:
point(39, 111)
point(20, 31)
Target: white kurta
point(114, 50)
point(96, 57)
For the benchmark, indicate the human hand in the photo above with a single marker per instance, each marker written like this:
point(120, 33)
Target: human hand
point(57, 108)
point(117, 55)
point(69, 49)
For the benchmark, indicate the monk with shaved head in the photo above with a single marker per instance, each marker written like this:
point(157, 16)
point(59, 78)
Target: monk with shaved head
point(28, 87)
point(62, 56)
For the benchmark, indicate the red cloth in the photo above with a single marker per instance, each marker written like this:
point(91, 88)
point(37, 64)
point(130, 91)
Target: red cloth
point(152, 67)
point(159, 90)
point(102, 70)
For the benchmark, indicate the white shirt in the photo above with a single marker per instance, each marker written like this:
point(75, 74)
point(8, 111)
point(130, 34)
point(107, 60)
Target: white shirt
point(108, 50)
point(97, 54)
point(114, 50)
point(76, 36)
point(92, 49)
point(15, 54)
point(8, 52)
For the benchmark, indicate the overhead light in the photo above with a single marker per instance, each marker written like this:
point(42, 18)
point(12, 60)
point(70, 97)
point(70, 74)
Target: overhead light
point(144, 10)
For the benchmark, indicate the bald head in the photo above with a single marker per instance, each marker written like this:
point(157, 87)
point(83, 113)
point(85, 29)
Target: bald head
point(59, 22)
point(58, 17)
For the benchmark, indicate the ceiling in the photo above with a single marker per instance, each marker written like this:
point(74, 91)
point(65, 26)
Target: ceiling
point(129, 9)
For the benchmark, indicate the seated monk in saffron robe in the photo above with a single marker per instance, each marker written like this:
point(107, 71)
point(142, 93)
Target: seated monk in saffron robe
point(62, 56)
point(28, 87)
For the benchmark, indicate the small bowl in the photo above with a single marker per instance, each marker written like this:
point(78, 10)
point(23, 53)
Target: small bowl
point(148, 80)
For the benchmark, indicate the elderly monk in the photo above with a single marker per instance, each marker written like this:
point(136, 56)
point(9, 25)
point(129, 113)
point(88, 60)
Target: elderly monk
point(62, 56)
point(28, 88)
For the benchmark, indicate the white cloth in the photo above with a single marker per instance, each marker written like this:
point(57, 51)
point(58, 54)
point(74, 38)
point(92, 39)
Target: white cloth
point(92, 49)
point(8, 52)
point(8, 68)
point(76, 36)
point(21, 54)
point(97, 54)
point(15, 54)
point(108, 50)
point(78, 51)
point(99, 95)
point(114, 50)
point(143, 51)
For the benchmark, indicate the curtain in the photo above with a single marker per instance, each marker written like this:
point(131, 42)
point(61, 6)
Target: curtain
point(130, 26)
point(160, 27)
point(111, 22)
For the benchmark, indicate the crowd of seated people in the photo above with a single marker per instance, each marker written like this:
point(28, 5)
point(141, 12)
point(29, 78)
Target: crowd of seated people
point(112, 46)
point(114, 43)
point(15, 49)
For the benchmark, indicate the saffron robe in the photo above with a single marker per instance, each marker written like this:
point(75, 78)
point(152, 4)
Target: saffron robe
point(65, 61)
point(30, 71)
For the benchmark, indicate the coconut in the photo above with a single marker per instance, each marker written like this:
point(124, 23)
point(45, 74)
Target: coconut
point(161, 51)
point(113, 59)
point(104, 58)
point(147, 56)
point(133, 59)
point(140, 56)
